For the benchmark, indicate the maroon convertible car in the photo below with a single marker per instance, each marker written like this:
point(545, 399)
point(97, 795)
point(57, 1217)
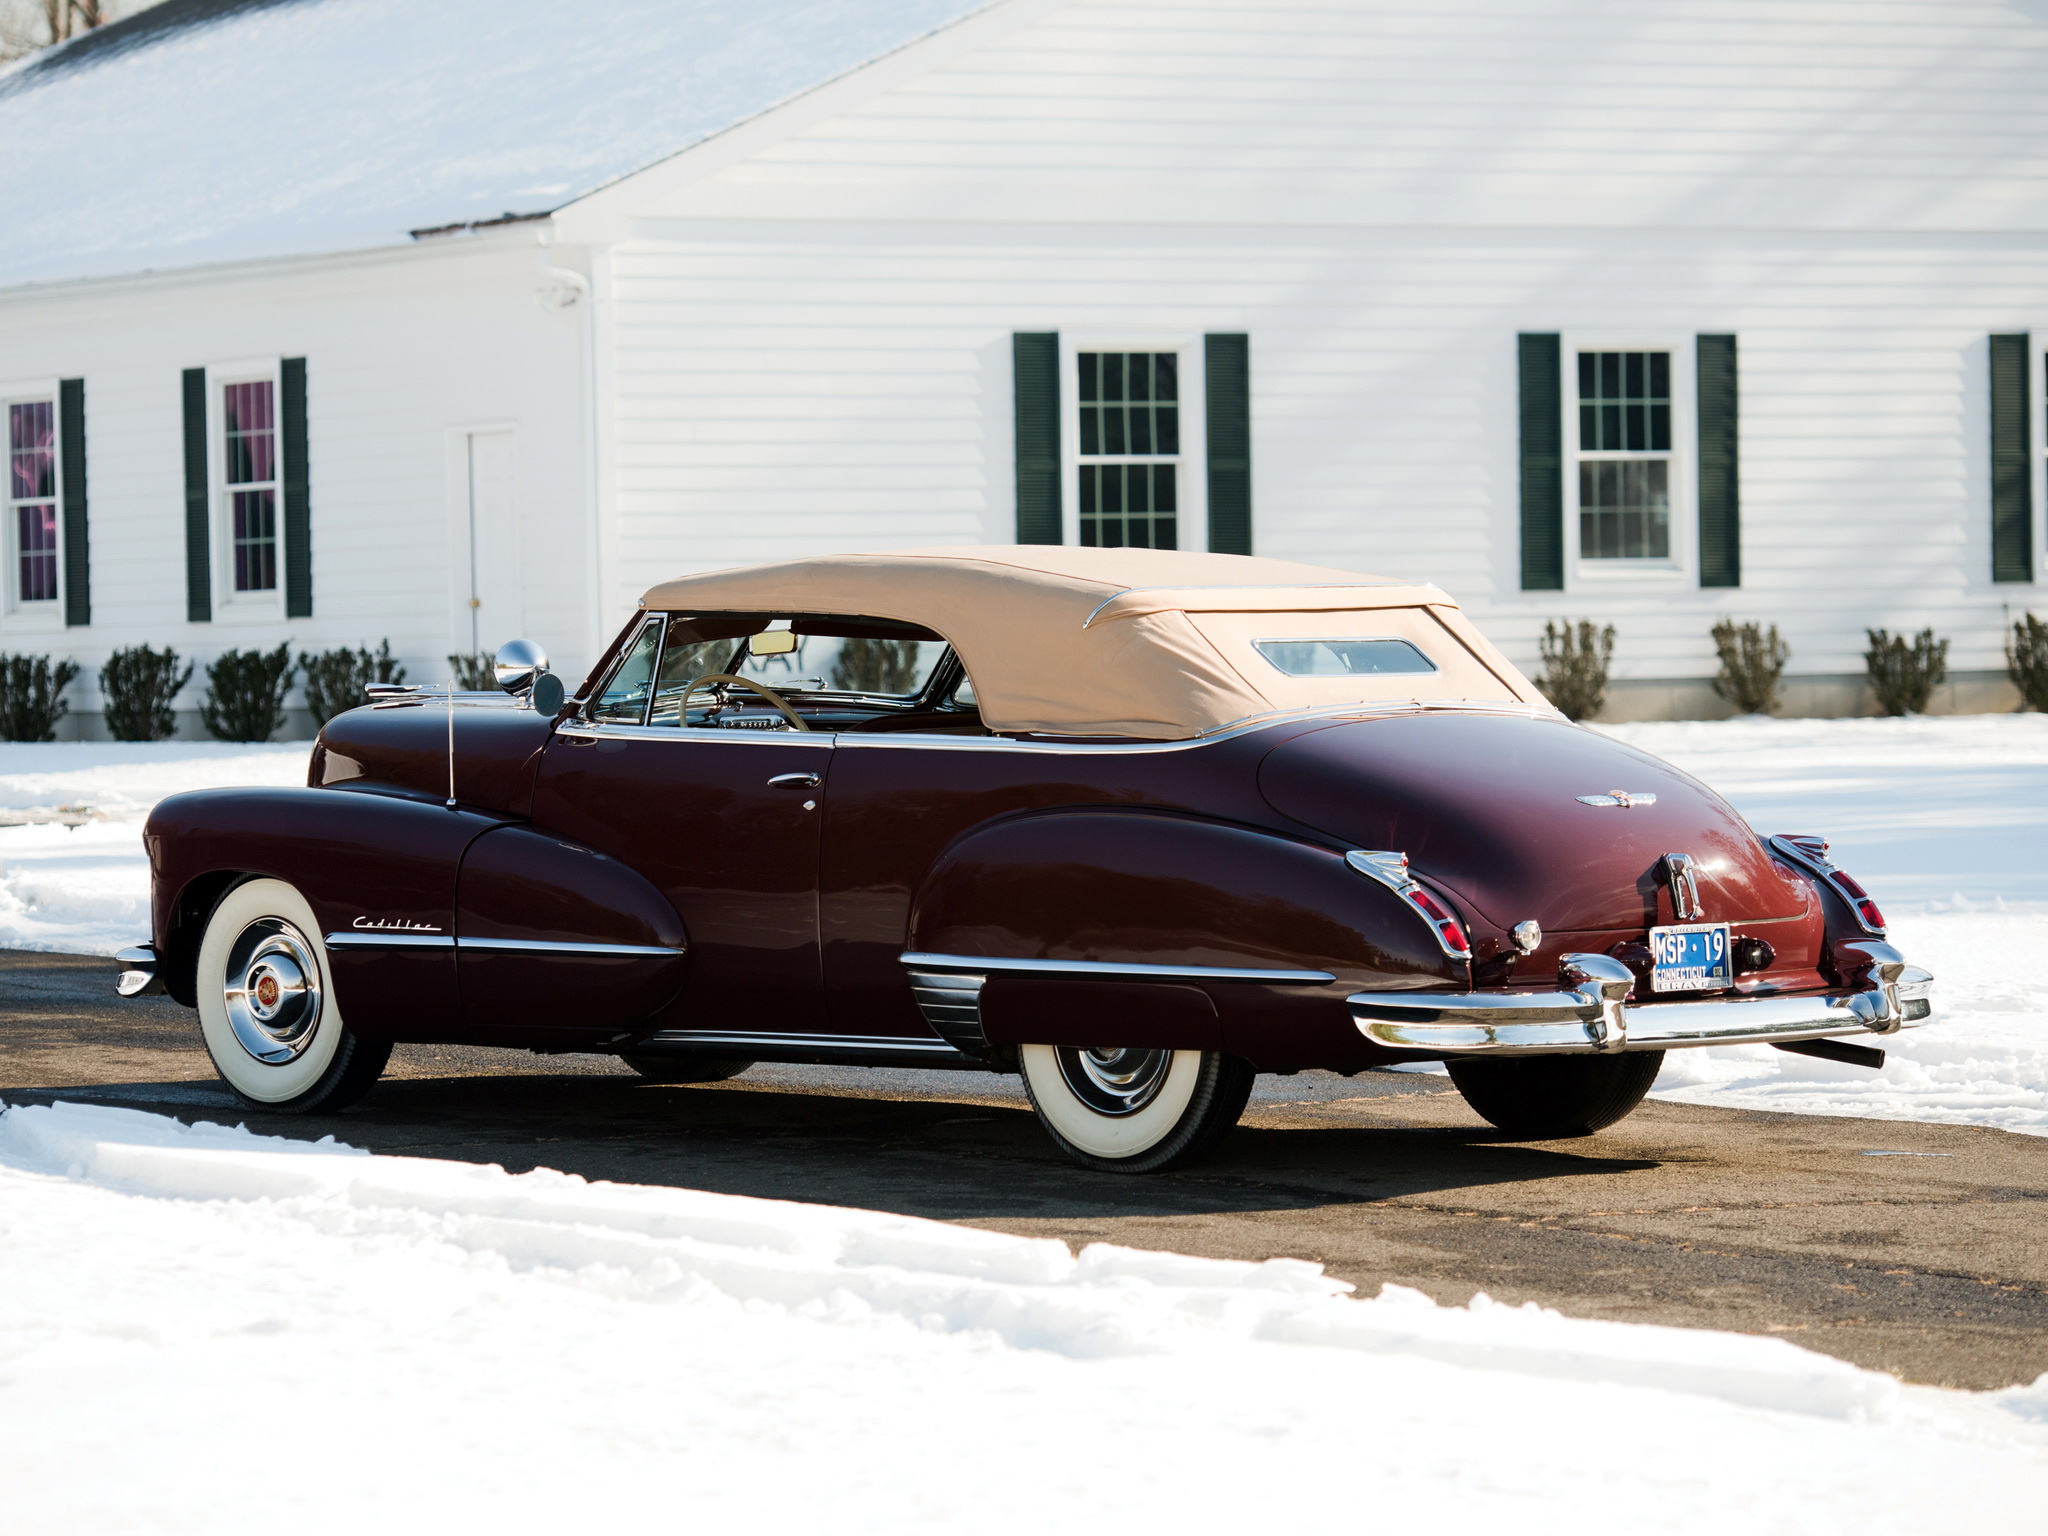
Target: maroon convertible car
point(1135, 824)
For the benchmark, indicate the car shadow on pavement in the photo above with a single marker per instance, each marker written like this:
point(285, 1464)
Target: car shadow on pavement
point(950, 1158)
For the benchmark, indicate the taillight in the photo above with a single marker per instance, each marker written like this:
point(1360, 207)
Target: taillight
point(1811, 853)
point(1391, 870)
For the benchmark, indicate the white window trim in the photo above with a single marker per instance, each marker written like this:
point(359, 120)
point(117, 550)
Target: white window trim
point(229, 605)
point(1191, 484)
point(1681, 567)
point(24, 617)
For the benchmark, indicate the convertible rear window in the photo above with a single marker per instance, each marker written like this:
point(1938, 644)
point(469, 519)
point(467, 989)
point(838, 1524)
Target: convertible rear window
point(1344, 658)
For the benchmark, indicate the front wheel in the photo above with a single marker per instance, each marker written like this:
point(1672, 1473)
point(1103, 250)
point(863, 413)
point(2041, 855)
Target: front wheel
point(1542, 1098)
point(1134, 1111)
point(267, 1009)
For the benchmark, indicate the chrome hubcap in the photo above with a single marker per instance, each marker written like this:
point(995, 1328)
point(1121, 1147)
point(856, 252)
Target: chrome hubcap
point(272, 991)
point(1114, 1081)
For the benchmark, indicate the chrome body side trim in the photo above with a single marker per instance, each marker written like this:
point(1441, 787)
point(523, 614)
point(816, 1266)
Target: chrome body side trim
point(588, 730)
point(1590, 1016)
point(1113, 969)
point(138, 976)
point(358, 940)
point(562, 947)
point(374, 939)
point(767, 1045)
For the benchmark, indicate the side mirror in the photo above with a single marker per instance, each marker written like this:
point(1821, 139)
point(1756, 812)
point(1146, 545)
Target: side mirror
point(517, 664)
point(772, 642)
point(547, 695)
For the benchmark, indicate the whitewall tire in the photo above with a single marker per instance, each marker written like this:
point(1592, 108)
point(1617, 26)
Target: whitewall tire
point(267, 1008)
point(1134, 1111)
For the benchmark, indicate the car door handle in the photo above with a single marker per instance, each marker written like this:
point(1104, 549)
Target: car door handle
point(795, 781)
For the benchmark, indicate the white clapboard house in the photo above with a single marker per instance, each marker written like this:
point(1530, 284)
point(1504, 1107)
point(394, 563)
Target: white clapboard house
point(334, 320)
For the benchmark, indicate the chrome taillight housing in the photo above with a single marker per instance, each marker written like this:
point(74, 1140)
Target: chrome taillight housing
point(1810, 853)
point(1391, 870)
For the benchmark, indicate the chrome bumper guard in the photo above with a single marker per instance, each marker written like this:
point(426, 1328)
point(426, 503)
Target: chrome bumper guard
point(1588, 1016)
point(138, 976)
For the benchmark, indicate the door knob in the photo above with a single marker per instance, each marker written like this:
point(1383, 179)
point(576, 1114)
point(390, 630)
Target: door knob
point(795, 781)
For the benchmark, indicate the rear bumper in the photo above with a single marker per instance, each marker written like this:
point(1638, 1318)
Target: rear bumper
point(1588, 1016)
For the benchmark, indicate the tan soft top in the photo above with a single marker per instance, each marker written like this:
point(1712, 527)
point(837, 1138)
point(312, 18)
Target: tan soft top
point(1127, 642)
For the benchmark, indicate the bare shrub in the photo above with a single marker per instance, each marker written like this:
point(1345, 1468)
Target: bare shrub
point(2026, 661)
point(1904, 673)
point(875, 666)
point(139, 685)
point(475, 672)
point(1575, 660)
point(1752, 661)
point(337, 680)
point(31, 696)
point(245, 694)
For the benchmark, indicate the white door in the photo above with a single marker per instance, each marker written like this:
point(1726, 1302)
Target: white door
point(489, 611)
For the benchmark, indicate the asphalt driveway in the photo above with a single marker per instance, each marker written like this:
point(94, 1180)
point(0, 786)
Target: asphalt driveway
point(1917, 1249)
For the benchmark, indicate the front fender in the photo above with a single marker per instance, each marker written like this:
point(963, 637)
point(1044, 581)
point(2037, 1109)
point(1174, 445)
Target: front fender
point(1168, 890)
point(366, 863)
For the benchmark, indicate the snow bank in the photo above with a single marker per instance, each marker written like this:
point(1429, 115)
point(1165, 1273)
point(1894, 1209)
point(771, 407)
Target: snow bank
point(85, 889)
point(227, 1317)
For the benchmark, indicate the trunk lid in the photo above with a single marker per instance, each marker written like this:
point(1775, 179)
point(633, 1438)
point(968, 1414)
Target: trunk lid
point(1488, 807)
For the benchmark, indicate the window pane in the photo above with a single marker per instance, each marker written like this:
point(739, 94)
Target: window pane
point(1089, 372)
point(247, 411)
point(1166, 421)
point(1344, 658)
point(624, 699)
point(1625, 509)
point(36, 529)
point(1091, 429)
point(255, 540)
point(31, 450)
point(1625, 402)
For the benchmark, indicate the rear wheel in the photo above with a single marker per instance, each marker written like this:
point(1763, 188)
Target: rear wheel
point(1542, 1097)
point(687, 1069)
point(267, 1009)
point(1134, 1111)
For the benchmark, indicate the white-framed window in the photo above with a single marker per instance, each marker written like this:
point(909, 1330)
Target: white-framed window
point(1133, 442)
point(246, 452)
point(33, 535)
point(1629, 433)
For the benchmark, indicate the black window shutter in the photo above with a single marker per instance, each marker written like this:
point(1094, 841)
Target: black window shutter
point(1542, 464)
point(1036, 359)
point(1720, 464)
point(198, 573)
point(1227, 365)
point(2012, 488)
point(77, 551)
point(298, 507)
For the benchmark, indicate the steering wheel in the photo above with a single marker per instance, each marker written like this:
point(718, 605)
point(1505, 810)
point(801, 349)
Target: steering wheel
point(796, 721)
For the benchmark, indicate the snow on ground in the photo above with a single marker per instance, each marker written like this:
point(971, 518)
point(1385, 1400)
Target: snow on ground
point(205, 1328)
point(85, 889)
point(1944, 819)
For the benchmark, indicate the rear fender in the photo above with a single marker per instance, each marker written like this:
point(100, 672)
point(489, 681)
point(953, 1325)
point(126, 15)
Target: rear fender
point(1165, 890)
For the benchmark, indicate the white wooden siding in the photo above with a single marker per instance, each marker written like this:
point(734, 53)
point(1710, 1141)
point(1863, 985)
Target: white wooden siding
point(812, 338)
point(401, 349)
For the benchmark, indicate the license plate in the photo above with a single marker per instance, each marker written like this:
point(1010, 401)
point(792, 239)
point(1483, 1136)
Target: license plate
point(1692, 957)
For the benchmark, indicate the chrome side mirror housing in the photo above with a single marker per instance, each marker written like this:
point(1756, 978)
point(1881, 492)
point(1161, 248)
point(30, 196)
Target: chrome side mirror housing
point(517, 664)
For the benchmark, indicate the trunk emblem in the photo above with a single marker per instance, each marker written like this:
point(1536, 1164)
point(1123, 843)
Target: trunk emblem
point(1618, 797)
point(1685, 891)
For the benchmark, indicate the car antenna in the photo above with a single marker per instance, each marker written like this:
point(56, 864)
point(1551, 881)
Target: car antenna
point(451, 743)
